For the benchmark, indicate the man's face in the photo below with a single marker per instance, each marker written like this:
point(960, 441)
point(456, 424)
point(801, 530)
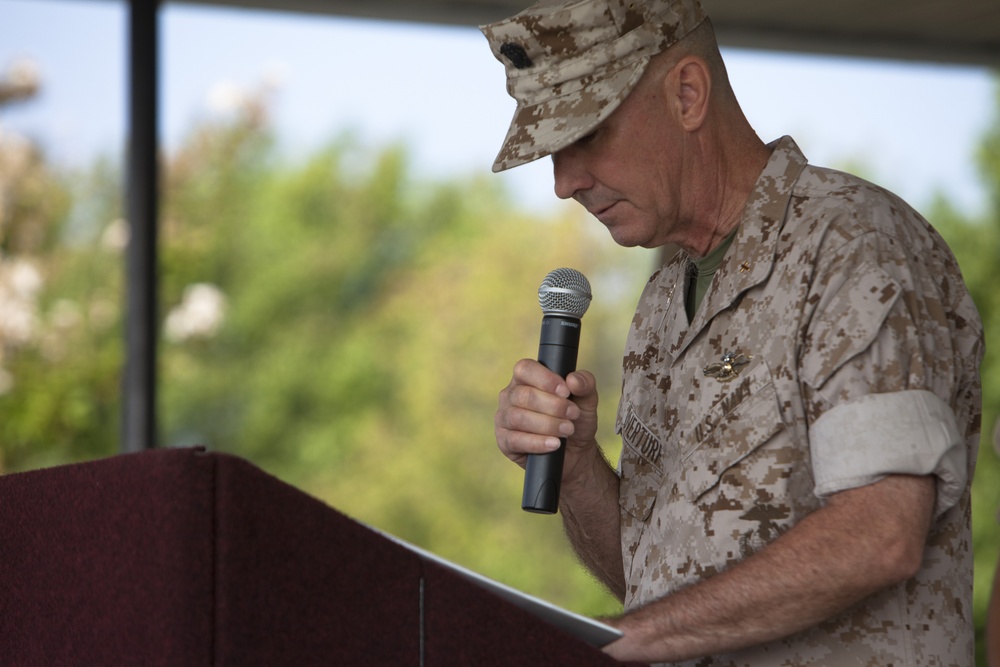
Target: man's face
point(627, 171)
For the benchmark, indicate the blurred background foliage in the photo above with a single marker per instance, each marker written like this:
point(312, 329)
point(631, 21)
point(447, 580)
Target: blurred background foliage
point(346, 325)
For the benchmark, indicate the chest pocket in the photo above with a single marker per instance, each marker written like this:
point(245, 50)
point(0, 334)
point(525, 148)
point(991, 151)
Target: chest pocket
point(736, 426)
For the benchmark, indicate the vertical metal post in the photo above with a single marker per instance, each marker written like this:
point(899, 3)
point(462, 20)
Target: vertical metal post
point(142, 204)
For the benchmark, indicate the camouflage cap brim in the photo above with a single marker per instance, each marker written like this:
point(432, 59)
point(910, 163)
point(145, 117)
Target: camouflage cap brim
point(542, 129)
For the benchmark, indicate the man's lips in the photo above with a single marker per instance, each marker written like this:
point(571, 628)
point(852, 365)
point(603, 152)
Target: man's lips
point(601, 210)
point(598, 205)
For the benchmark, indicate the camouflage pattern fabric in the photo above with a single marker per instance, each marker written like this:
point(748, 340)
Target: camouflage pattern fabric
point(570, 64)
point(833, 293)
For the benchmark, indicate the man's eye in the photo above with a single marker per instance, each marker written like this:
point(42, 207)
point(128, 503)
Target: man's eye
point(587, 138)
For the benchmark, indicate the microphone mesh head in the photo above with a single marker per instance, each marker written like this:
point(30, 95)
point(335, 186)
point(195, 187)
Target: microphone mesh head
point(564, 292)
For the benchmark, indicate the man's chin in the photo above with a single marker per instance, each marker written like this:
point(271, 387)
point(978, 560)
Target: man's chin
point(621, 236)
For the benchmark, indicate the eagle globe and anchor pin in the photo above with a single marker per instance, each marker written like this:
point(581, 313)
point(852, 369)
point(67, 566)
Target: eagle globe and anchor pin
point(728, 369)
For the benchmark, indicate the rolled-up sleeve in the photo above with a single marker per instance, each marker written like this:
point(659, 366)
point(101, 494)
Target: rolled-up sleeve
point(907, 432)
point(884, 366)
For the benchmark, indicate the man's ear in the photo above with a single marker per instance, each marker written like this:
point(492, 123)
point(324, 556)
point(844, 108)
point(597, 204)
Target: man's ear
point(690, 87)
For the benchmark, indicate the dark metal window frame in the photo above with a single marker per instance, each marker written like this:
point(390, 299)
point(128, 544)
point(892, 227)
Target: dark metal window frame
point(139, 427)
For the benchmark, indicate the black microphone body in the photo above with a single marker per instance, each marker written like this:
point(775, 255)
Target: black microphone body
point(557, 351)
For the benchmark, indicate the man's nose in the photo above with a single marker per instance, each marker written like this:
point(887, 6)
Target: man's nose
point(569, 173)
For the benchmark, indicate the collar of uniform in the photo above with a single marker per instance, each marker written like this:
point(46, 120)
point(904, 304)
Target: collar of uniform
point(751, 257)
point(752, 254)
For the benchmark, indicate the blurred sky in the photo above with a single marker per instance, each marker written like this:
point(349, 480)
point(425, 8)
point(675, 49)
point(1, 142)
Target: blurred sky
point(913, 127)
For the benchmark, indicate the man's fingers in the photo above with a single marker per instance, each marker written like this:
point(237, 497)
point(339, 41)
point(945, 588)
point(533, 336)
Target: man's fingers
point(524, 420)
point(538, 408)
point(530, 372)
point(516, 445)
point(534, 400)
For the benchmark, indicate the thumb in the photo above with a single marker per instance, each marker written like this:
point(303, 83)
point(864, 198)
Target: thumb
point(583, 386)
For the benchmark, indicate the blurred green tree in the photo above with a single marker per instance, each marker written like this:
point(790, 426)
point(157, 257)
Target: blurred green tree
point(59, 339)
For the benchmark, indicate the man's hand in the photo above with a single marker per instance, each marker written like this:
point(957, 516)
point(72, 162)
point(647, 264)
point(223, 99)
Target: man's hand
point(538, 407)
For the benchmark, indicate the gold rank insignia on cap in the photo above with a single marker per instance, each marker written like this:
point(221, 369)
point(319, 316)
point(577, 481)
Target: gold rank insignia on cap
point(729, 368)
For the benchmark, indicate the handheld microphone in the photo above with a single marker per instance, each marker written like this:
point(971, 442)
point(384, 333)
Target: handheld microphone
point(564, 296)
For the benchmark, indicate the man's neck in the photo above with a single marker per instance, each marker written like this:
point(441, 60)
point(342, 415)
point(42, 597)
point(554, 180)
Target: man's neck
point(736, 168)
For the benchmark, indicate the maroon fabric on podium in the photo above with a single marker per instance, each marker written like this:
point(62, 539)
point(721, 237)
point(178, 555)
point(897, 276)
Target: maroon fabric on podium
point(107, 563)
point(179, 557)
point(468, 626)
point(301, 584)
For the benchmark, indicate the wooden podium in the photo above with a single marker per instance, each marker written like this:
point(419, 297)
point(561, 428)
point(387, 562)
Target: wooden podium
point(182, 557)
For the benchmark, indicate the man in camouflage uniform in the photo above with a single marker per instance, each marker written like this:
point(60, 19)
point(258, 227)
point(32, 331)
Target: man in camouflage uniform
point(800, 408)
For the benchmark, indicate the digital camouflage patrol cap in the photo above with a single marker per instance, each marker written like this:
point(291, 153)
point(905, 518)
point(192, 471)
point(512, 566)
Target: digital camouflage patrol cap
point(570, 63)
